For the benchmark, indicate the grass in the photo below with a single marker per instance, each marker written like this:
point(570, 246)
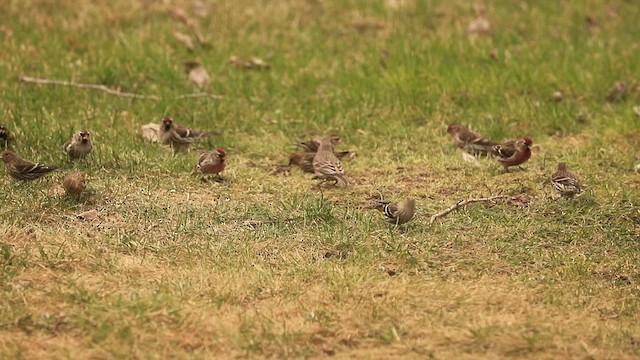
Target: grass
point(264, 265)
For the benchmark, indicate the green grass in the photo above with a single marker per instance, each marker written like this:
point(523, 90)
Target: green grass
point(265, 265)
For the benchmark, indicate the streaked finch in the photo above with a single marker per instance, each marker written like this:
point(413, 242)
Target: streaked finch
point(513, 153)
point(21, 169)
point(212, 162)
point(74, 184)
point(5, 137)
point(79, 146)
point(565, 182)
point(178, 137)
point(304, 160)
point(326, 166)
point(470, 141)
point(398, 213)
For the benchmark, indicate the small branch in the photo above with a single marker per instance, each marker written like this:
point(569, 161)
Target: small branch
point(197, 95)
point(109, 90)
point(104, 88)
point(463, 203)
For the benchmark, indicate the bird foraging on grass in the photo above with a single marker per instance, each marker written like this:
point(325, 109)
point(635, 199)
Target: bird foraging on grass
point(513, 153)
point(470, 141)
point(397, 213)
point(212, 162)
point(5, 137)
point(79, 146)
point(326, 165)
point(21, 169)
point(565, 182)
point(178, 137)
point(74, 184)
point(304, 160)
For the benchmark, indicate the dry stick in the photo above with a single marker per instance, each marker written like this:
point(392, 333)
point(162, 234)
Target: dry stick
point(108, 90)
point(463, 203)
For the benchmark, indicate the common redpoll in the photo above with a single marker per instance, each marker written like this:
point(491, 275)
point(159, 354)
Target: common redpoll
point(304, 160)
point(20, 169)
point(5, 137)
point(178, 137)
point(398, 213)
point(212, 162)
point(514, 152)
point(565, 182)
point(79, 146)
point(469, 140)
point(74, 184)
point(312, 145)
point(326, 166)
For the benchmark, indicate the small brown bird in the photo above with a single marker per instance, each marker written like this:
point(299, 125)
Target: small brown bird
point(470, 141)
point(312, 145)
point(304, 160)
point(178, 137)
point(618, 91)
point(21, 169)
point(79, 146)
point(212, 162)
point(74, 184)
point(565, 182)
point(326, 166)
point(5, 137)
point(513, 153)
point(398, 213)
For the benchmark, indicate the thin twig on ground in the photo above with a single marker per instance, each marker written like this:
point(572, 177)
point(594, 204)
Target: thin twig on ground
point(108, 90)
point(463, 203)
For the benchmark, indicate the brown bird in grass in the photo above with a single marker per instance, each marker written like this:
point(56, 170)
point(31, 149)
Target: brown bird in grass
point(513, 153)
point(79, 146)
point(74, 184)
point(212, 162)
point(326, 166)
point(304, 160)
point(470, 141)
point(178, 137)
point(21, 169)
point(313, 145)
point(565, 182)
point(5, 137)
point(397, 213)
point(618, 91)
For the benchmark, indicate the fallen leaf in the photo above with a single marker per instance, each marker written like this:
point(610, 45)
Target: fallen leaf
point(257, 63)
point(557, 96)
point(88, 215)
point(480, 25)
point(184, 38)
point(470, 158)
point(150, 132)
point(200, 8)
point(197, 74)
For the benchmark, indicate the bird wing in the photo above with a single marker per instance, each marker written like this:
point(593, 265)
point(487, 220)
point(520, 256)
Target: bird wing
point(27, 167)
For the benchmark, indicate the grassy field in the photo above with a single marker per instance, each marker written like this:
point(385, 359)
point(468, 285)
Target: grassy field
point(265, 265)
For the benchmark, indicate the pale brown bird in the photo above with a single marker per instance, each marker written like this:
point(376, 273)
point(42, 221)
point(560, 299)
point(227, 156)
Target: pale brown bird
point(312, 145)
point(326, 166)
point(618, 91)
point(5, 137)
point(178, 137)
point(565, 182)
point(398, 213)
point(74, 184)
point(304, 160)
point(470, 141)
point(212, 162)
point(21, 169)
point(79, 146)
